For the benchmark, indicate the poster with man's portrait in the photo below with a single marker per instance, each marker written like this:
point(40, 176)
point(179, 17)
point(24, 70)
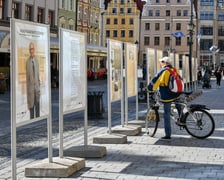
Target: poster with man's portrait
point(30, 48)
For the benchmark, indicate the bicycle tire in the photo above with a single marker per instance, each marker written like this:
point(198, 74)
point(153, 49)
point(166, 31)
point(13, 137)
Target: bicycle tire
point(152, 121)
point(203, 127)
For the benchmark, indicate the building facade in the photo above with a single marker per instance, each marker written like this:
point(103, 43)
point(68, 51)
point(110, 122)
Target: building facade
point(211, 28)
point(165, 26)
point(67, 12)
point(39, 11)
point(121, 19)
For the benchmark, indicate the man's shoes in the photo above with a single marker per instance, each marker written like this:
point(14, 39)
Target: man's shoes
point(165, 138)
point(180, 122)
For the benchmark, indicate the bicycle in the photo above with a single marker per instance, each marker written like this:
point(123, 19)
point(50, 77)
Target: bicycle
point(194, 118)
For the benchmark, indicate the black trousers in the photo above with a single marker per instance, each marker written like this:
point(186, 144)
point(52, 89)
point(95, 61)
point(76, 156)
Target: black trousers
point(35, 110)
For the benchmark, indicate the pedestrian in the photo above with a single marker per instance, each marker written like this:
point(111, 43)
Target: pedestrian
point(33, 83)
point(218, 75)
point(160, 80)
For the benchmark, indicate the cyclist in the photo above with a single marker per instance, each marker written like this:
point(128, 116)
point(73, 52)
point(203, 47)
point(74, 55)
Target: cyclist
point(160, 80)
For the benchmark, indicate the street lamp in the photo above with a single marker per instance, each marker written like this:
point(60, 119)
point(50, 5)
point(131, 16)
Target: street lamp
point(191, 31)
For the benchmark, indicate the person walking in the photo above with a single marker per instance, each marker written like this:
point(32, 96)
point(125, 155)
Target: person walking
point(160, 80)
point(218, 75)
point(33, 83)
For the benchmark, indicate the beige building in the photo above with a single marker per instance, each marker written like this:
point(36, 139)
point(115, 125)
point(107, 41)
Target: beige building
point(211, 26)
point(122, 20)
point(165, 26)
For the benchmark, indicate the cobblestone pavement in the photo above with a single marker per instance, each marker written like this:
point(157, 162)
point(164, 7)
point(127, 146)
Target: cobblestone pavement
point(143, 157)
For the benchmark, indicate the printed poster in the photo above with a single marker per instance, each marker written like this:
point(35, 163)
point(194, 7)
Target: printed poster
point(131, 68)
point(30, 48)
point(115, 62)
point(73, 59)
point(151, 58)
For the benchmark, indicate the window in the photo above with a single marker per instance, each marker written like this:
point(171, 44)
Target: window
point(147, 26)
point(220, 3)
point(220, 16)
point(167, 1)
point(40, 15)
point(167, 26)
point(80, 13)
point(131, 33)
point(157, 1)
point(115, 20)
point(122, 21)
point(178, 12)
point(1, 9)
point(157, 13)
point(131, 21)
point(185, 12)
point(156, 41)
point(16, 7)
point(205, 44)
point(129, 10)
point(122, 33)
point(206, 2)
point(157, 26)
point(221, 31)
point(122, 10)
point(178, 41)
point(122, 1)
point(51, 18)
point(108, 21)
point(115, 33)
point(167, 41)
point(86, 14)
point(146, 41)
point(179, 1)
point(150, 13)
point(28, 14)
point(207, 15)
point(178, 26)
point(107, 33)
point(114, 10)
point(206, 30)
point(167, 12)
point(62, 4)
point(221, 45)
point(71, 4)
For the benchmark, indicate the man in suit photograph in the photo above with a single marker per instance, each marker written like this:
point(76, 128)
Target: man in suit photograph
point(33, 83)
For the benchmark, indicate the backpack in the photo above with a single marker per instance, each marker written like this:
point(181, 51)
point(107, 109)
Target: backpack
point(175, 84)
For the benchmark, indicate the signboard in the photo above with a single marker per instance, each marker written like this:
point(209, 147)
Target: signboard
point(30, 49)
point(131, 69)
point(115, 61)
point(73, 62)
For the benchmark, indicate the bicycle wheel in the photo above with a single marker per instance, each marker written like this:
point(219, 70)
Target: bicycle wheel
point(199, 123)
point(152, 121)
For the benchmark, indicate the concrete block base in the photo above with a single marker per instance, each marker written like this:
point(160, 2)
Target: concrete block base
point(60, 167)
point(137, 122)
point(110, 139)
point(89, 151)
point(129, 130)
